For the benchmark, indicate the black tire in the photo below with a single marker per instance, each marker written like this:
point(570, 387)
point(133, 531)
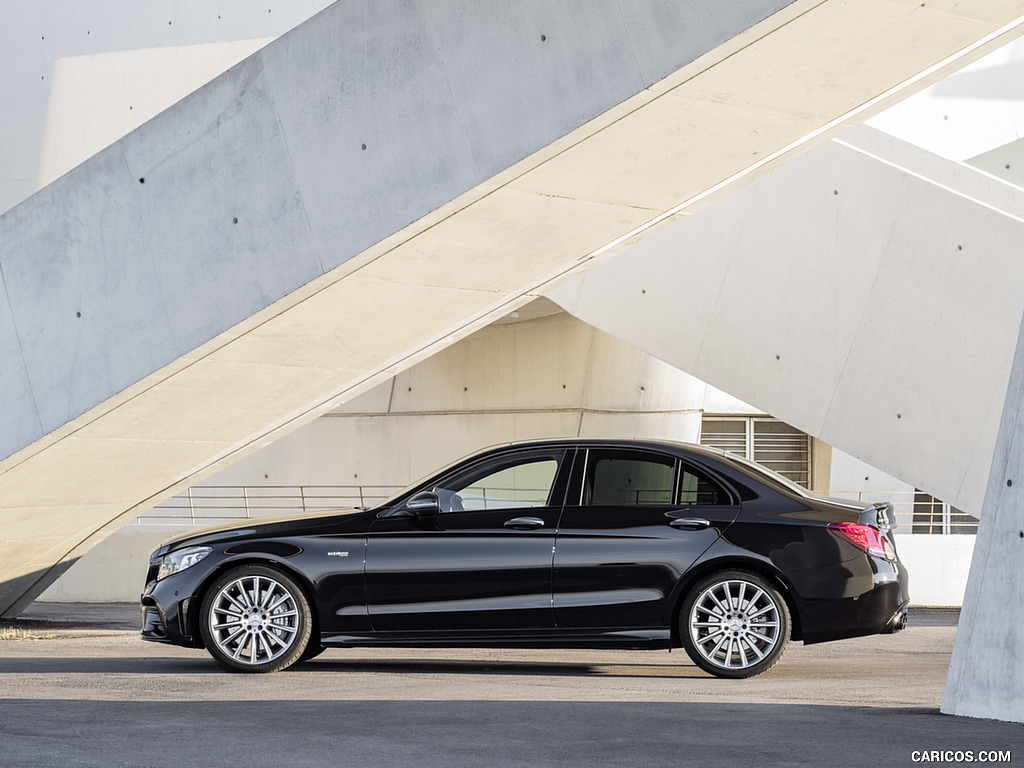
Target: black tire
point(313, 649)
point(734, 624)
point(255, 618)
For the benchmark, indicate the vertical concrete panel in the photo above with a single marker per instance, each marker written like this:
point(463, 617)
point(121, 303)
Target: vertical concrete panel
point(20, 424)
point(986, 673)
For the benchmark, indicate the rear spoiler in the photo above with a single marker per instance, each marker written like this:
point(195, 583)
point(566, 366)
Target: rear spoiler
point(881, 515)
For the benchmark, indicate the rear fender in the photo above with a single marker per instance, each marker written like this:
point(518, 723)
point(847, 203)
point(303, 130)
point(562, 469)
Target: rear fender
point(721, 557)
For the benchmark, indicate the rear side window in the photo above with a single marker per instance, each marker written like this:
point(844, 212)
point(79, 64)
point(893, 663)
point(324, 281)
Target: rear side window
point(628, 479)
point(695, 489)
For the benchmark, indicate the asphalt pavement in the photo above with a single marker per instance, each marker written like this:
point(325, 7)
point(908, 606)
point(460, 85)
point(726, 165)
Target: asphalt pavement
point(79, 688)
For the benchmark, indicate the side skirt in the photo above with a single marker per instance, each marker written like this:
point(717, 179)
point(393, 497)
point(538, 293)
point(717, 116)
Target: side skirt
point(637, 639)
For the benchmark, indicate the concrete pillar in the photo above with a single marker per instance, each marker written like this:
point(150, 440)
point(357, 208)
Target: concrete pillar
point(986, 674)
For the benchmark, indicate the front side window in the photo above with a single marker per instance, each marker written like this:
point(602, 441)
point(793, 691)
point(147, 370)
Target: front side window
point(507, 483)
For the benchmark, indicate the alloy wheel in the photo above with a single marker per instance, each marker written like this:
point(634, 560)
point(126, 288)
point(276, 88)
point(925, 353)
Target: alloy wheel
point(736, 624)
point(256, 620)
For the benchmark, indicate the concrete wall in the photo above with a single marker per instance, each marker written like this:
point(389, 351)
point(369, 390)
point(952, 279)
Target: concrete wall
point(34, 35)
point(115, 570)
point(938, 566)
point(98, 98)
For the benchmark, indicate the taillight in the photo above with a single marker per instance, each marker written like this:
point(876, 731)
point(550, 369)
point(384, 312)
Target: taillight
point(865, 537)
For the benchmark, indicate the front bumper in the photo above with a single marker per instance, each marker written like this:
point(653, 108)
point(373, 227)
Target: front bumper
point(153, 625)
point(168, 622)
point(169, 606)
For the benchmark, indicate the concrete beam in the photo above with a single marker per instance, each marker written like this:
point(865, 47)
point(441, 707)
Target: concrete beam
point(362, 192)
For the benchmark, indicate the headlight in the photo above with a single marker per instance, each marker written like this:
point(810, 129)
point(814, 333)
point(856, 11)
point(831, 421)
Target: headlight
point(181, 559)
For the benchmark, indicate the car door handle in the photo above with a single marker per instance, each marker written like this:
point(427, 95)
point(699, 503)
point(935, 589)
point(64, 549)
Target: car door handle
point(524, 523)
point(690, 523)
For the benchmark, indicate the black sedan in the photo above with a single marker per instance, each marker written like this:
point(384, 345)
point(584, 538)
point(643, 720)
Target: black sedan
point(568, 544)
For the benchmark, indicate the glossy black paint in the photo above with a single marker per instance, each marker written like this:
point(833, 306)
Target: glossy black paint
point(572, 568)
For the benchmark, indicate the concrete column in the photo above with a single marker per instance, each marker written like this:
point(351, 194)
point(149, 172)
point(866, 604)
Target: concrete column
point(986, 674)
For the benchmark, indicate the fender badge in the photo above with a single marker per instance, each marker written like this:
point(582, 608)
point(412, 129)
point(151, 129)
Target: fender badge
point(337, 554)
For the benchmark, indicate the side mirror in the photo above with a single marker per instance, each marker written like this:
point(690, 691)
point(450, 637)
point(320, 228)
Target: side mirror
point(424, 504)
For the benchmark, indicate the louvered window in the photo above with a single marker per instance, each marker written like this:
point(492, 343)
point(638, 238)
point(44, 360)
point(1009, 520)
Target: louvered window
point(767, 441)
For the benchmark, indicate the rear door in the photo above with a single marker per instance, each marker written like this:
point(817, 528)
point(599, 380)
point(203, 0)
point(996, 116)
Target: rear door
point(634, 522)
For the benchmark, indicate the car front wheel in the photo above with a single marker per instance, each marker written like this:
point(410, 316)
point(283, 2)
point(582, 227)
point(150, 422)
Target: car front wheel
point(734, 624)
point(255, 619)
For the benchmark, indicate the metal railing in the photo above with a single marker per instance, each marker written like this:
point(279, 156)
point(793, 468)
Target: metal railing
point(917, 512)
point(208, 505)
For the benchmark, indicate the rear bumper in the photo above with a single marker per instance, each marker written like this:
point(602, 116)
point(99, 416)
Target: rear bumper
point(898, 621)
point(870, 598)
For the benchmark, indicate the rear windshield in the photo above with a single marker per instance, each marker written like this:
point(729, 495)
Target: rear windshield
point(768, 476)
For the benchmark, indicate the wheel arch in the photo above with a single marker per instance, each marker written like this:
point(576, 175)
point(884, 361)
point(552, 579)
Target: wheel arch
point(266, 560)
point(702, 570)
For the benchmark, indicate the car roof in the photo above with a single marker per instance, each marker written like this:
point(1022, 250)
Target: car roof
point(590, 442)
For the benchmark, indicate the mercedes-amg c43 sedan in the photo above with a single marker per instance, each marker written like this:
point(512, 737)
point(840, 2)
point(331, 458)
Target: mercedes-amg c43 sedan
point(554, 544)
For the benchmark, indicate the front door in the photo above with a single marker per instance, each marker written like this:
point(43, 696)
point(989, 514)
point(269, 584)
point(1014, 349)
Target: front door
point(484, 562)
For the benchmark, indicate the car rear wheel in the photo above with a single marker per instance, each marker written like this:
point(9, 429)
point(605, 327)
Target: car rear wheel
point(255, 619)
point(734, 624)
